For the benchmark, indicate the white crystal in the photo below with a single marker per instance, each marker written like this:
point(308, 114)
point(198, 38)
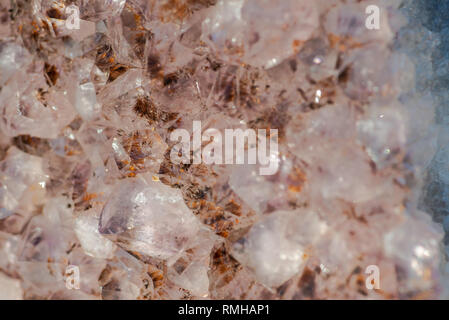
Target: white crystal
point(93, 243)
point(11, 289)
point(18, 172)
point(233, 28)
point(414, 246)
point(151, 216)
point(275, 248)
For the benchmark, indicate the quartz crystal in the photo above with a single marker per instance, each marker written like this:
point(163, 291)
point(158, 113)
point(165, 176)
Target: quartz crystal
point(152, 216)
point(93, 204)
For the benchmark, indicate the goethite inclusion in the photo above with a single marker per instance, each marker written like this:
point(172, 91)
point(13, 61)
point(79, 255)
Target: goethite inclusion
point(92, 205)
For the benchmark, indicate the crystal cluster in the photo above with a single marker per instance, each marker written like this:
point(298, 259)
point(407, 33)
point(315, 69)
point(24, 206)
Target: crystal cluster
point(87, 181)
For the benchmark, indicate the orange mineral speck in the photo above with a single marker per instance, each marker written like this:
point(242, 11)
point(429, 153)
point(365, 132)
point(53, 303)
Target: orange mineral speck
point(296, 45)
point(89, 196)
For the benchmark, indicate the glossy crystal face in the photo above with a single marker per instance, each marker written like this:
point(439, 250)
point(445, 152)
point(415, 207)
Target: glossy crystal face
point(224, 149)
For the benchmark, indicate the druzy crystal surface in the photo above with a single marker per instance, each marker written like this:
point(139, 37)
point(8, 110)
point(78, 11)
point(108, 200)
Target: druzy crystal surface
point(92, 205)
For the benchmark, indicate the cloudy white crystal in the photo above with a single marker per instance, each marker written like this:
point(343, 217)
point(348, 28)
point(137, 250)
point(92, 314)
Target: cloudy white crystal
point(151, 216)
